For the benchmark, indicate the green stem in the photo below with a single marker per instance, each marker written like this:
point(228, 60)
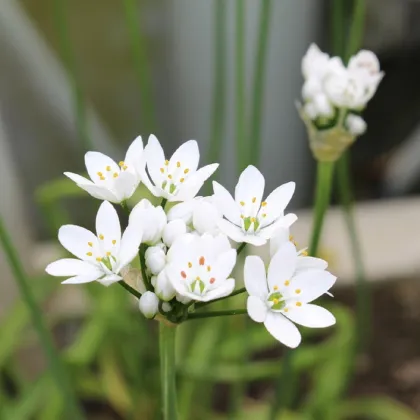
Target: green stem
point(163, 203)
point(168, 371)
point(61, 23)
point(241, 141)
point(236, 292)
point(216, 313)
point(129, 289)
point(240, 248)
point(258, 84)
point(142, 256)
point(356, 29)
point(58, 371)
point(325, 171)
point(219, 84)
point(337, 26)
point(141, 63)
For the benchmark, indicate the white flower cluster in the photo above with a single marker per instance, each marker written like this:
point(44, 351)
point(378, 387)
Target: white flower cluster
point(185, 242)
point(332, 90)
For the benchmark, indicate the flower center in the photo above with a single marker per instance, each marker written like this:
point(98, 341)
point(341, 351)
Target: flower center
point(278, 301)
point(173, 176)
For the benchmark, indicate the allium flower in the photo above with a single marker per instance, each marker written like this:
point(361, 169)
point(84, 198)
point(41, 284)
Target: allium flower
point(109, 181)
point(151, 219)
point(355, 125)
point(283, 297)
point(247, 217)
point(176, 179)
point(149, 304)
point(173, 230)
point(100, 257)
point(199, 267)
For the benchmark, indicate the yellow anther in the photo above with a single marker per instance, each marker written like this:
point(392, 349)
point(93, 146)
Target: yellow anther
point(115, 174)
point(304, 253)
point(208, 268)
point(276, 288)
point(298, 304)
point(90, 243)
point(101, 237)
point(242, 203)
point(189, 264)
point(178, 164)
point(287, 282)
point(264, 215)
point(102, 178)
point(242, 216)
point(108, 168)
point(121, 163)
point(276, 301)
point(98, 259)
point(114, 241)
point(186, 171)
point(264, 203)
point(108, 254)
point(89, 254)
point(170, 176)
point(182, 180)
point(162, 170)
point(297, 291)
point(285, 310)
point(290, 237)
point(198, 278)
point(253, 219)
point(166, 162)
point(100, 174)
point(254, 199)
point(125, 167)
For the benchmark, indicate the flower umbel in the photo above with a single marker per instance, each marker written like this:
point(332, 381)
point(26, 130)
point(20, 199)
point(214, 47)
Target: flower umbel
point(100, 257)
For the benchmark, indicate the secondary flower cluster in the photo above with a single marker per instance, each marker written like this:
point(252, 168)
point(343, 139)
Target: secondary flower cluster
point(184, 243)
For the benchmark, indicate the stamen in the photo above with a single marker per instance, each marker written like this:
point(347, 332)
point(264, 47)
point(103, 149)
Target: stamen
point(89, 254)
point(201, 261)
point(125, 167)
point(287, 282)
point(242, 203)
point(108, 254)
point(178, 164)
point(208, 268)
point(170, 176)
point(102, 178)
point(253, 219)
point(254, 199)
point(121, 163)
point(186, 171)
point(198, 278)
point(275, 301)
point(182, 180)
point(90, 243)
point(305, 253)
point(108, 168)
point(264, 215)
point(212, 280)
point(276, 288)
point(298, 304)
point(114, 241)
point(101, 237)
point(291, 238)
point(189, 264)
point(166, 162)
point(100, 174)
point(264, 203)
point(99, 259)
point(285, 310)
point(115, 174)
point(297, 291)
point(162, 170)
point(242, 216)
point(183, 275)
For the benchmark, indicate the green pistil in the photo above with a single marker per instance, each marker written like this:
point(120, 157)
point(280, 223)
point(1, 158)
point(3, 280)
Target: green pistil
point(248, 221)
point(164, 183)
point(278, 302)
point(200, 284)
point(172, 188)
point(106, 261)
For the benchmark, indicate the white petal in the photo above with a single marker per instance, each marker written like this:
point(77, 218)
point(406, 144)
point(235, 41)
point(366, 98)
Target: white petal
point(97, 162)
point(224, 265)
point(72, 267)
point(256, 240)
point(206, 217)
point(282, 329)
point(82, 278)
point(79, 180)
point(130, 243)
point(283, 222)
point(183, 211)
point(155, 159)
point(312, 284)
point(255, 277)
point(250, 185)
point(232, 231)
point(125, 185)
point(277, 201)
point(164, 286)
point(279, 238)
point(134, 155)
point(309, 263)
point(172, 231)
point(110, 279)
point(282, 266)
point(311, 316)
point(75, 239)
point(225, 289)
point(108, 227)
point(226, 204)
point(257, 309)
point(101, 193)
point(187, 155)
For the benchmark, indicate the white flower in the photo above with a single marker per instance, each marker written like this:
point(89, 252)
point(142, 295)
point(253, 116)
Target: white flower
point(200, 212)
point(355, 124)
point(151, 219)
point(314, 63)
point(284, 296)
point(155, 259)
point(163, 286)
point(149, 304)
point(199, 267)
point(248, 218)
point(176, 179)
point(109, 181)
point(172, 230)
point(323, 106)
point(102, 256)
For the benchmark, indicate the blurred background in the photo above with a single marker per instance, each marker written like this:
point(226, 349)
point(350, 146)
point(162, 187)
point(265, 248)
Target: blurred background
point(87, 75)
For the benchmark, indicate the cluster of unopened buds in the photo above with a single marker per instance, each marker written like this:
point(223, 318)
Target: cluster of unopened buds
point(186, 243)
point(334, 97)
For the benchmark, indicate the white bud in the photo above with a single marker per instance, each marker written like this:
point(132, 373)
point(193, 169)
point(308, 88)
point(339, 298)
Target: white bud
point(172, 230)
point(163, 287)
point(366, 61)
point(355, 124)
point(206, 216)
point(153, 281)
point(310, 110)
point(149, 304)
point(155, 259)
point(323, 106)
point(151, 219)
point(166, 307)
point(314, 62)
point(310, 88)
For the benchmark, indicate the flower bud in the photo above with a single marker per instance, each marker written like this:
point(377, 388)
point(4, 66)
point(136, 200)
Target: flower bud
point(172, 230)
point(149, 304)
point(164, 289)
point(323, 106)
point(155, 259)
point(166, 307)
point(355, 124)
point(311, 87)
point(151, 219)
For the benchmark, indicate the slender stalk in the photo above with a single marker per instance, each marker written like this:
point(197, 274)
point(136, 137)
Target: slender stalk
point(258, 83)
point(142, 257)
point(61, 23)
point(356, 28)
point(130, 289)
point(163, 203)
point(236, 292)
point(241, 141)
point(337, 26)
point(325, 171)
point(240, 248)
point(219, 83)
point(216, 313)
point(141, 63)
point(168, 371)
point(56, 366)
